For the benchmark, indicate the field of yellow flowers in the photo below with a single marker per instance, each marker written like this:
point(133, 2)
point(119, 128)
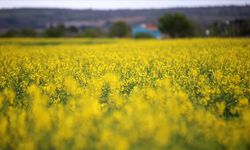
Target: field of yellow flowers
point(121, 94)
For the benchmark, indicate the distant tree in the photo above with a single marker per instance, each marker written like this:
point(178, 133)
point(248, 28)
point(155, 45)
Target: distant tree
point(218, 29)
point(119, 29)
point(176, 25)
point(11, 33)
point(142, 35)
point(27, 32)
point(57, 31)
point(92, 33)
point(245, 27)
point(72, 29)
point(232, 28)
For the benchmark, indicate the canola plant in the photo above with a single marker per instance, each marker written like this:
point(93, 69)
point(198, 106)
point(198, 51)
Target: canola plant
point(121, 94)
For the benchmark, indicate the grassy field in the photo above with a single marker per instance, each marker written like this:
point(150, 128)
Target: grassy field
point(120, 94)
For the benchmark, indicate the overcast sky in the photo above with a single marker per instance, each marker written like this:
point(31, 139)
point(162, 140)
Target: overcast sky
point(116, 4)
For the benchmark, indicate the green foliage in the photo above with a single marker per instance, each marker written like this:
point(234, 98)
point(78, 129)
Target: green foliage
point(119, 29)
point(72, 29)
point(11, 33)
point(24, 32)
point(142, 35)
point(176, 25)
point(92, 33)
point(57, 31)
point(28, 32)
point(238, 27)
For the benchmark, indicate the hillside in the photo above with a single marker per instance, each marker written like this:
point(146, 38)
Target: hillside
point(41, 18)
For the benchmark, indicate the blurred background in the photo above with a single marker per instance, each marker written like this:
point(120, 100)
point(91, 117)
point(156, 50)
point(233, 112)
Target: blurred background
point(125, 18)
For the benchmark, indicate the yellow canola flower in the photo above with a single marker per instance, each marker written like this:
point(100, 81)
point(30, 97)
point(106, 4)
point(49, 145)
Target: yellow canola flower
point(70, 85)
point(3, 127)
point(112, 80)
point(243, 102)
point(10, 95)
point(221, 107)
point(124, 94)
point(1, 101)
point(27, 144)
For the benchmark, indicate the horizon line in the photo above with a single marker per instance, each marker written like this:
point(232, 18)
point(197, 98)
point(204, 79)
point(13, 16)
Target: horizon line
point(100, 9)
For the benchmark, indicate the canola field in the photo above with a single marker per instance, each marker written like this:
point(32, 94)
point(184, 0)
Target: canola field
point(121, 94)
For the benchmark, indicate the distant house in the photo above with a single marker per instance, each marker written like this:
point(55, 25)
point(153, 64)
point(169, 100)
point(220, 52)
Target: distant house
point(149, 29)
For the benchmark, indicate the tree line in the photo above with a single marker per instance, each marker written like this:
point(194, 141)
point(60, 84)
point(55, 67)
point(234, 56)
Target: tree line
point(172, 25)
